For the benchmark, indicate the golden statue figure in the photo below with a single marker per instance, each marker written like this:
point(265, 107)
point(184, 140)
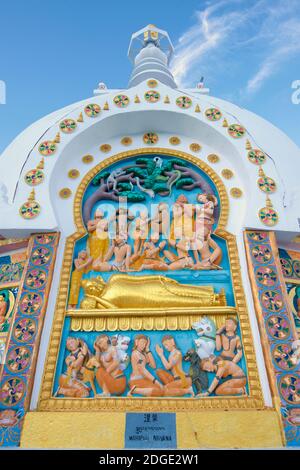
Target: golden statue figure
point(125, 291)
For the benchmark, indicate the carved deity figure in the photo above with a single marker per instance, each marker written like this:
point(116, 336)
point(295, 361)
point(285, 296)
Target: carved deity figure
point(182, 225)
point(229, 377)
point(120, 250)
point(98, 240)
point(70, 383)
point(228, 342)
point(3, 309)
point(176, 382)
point(82, 263)
point(109, 375)
point(125, 291)
point(142, 381)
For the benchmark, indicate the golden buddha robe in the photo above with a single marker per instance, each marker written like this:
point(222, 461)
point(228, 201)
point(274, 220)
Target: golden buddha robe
point(125, 291)
point(98, 246)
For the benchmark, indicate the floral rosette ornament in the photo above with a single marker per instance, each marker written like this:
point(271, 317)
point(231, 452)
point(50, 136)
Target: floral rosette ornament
point(236, 131)
point(67, 126)
point(47, 148)
point(12, 391)
point(265, 183)
point(184, 102)
point(213, 114)
point(152, 96)
point(92, 110)
point(24, 330)
point(18, 359)
point(150, 138)
point(31, 208)
point(34, 177)
point(121, 101)
point(268, 215)
point(256, 156)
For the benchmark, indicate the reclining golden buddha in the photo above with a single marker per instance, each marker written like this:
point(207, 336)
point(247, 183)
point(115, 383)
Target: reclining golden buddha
point(127, 292)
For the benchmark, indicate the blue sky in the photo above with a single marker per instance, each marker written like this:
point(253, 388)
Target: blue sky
point(53, 53)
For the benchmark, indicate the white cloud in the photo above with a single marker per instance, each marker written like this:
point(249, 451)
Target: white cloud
point(226, 31)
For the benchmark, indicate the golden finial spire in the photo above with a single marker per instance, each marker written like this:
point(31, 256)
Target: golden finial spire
point(31, 196)
point(197, 109)
point(225, 123)
point(248, 145)
point(41, 165)
point(80, 118)
point(167, 99)
point(136, 99)
point(57, 138)
point(106, 107)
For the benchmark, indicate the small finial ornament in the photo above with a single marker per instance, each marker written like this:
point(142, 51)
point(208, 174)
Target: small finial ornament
point(136, 99)
point(167, 99)
point(225, 123)
point(41, 165)
point(197, 109)
point(261, 172)
point(57, 138)
point(268, 202)
point(248, 145)
point(80, 118)
point(106, 107)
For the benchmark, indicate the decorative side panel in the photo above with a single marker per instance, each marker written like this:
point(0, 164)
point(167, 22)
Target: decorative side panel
point(276, 328)
point(18, 371)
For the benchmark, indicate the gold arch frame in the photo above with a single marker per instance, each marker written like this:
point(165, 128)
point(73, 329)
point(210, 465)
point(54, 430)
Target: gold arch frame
point(47, 402)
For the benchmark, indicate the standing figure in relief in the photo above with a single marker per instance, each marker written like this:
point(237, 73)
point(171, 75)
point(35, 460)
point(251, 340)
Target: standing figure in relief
point(98, 240)
point(176, 382)
point(3, 309)
point(201, 246)
point(229, 379)
point(140, 234)
point(228, 342)
point(82, 263)
point(205, 210)
point(70, 383)
point(121, 251)
point(109, 375)
point(182, 225)
point(142, 381)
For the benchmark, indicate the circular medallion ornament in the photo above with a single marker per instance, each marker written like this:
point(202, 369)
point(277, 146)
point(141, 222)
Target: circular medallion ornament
point(126, 141)
point(272, 300)
point(30, 210)
point(105, 148)
point(268, 216)
point(47, 148)
point(289, 387)
point(261, 253)
point(283, 356)
point(34, 177)
point(65, 193)
point(256, 156)
point(44, 239)
point(227, 174)
point(236, 131)
point(73, 174)
point(266, 276)
point(174, 140)
point(12, 391)
point(152, 96)
point(213, 114)
point(30, 303)
point(266, 184)
point(36, 279)
point(121, 101)
point(213, 158)
point(18, 359)
point(25, 330)
point(40, 256)
point(184, 102)
point(152, 83)
point(258, 236)
point(150, 138)
point(278, 327)
point(194, 147)
point(92, 110)
point(67, 126)
point(236, 193)
point(296, 267)
point(286, 267)
point(87, 159)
